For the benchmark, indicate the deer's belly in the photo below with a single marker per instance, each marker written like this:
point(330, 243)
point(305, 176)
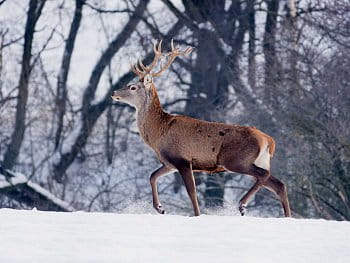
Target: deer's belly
point(205, 160)
point(205, 167)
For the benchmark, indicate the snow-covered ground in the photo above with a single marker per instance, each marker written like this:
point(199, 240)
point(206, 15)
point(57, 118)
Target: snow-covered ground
point(34, 236)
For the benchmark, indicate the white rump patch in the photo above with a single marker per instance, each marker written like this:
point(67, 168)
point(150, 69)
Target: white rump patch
point(263, 160)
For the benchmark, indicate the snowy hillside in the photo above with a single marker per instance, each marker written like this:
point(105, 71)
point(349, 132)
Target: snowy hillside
point(33, 236)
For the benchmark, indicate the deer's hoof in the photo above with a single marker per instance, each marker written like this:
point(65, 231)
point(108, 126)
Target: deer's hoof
point(242, 209)
point(160, 209)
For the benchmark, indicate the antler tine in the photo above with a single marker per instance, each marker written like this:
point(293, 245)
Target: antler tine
point(144, 68)
point(134, 68)
point(175, 52)
point(141, 73)
point(157, 54)
point(160, 47)
point(172, 45)
point(188, 50)
point(155, 46)
point(157, 49)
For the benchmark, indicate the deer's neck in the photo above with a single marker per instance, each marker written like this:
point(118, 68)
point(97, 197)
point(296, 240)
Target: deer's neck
point(151, 119)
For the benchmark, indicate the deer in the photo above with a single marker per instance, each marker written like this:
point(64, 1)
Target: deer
point(190, 145)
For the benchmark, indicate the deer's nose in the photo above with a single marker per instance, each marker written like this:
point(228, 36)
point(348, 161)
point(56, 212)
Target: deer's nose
point(114, 95)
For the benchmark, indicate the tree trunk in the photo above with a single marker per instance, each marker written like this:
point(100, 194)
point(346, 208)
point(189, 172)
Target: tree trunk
point(269, 49)
point(61, 94)
point(251, 47)
point(12, 152)
point(293, 44)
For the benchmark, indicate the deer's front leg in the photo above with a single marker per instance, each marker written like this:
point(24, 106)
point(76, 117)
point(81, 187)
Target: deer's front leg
point(187, 176)
point(185, 169)
point(164, 170)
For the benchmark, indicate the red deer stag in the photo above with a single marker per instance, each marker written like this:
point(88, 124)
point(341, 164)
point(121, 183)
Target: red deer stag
point(188, 145)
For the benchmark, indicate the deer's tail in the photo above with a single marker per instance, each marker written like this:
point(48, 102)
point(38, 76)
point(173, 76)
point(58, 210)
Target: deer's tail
point(272, 146)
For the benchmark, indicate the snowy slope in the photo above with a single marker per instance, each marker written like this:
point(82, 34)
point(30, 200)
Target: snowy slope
point(33, 236)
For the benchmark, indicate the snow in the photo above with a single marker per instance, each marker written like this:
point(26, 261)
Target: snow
point(34, 236)
point(50, 196)
point(18, 178)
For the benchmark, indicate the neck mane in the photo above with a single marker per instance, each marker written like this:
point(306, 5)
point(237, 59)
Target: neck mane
point(152, 119)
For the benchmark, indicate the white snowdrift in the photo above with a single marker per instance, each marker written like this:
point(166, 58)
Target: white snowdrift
point(18, 179)
point(33, 236)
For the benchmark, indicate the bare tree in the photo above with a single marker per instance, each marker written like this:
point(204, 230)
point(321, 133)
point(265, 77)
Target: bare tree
point(61, 93)
point(281, 66)
point(33, 14)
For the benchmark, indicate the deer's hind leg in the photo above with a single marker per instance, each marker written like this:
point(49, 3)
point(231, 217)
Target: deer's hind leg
point(275, 185)
point(261, 175)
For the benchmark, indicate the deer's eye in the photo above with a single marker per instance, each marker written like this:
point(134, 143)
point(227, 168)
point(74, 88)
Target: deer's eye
point(132, 88)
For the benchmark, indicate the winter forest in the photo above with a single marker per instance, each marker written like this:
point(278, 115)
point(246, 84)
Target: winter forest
point(279, 65)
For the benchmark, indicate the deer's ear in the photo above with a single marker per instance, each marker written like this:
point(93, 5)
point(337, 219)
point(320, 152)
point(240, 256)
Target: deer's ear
point(147, 81)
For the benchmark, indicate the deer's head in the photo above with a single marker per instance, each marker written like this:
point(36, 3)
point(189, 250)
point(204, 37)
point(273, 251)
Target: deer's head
point(136, 94)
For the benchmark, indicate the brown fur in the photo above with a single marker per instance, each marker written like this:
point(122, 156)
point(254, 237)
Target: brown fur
point(208, 146)
point(187, 144)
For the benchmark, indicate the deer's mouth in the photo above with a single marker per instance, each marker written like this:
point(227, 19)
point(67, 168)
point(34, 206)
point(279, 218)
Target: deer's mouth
point(116, 98)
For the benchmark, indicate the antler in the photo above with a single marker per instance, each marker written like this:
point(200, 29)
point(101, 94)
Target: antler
point(147, 69)
point(175, 52)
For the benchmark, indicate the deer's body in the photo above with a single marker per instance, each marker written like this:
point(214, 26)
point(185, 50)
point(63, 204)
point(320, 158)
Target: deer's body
point(187, 144)
point(212, 141)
